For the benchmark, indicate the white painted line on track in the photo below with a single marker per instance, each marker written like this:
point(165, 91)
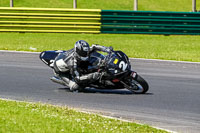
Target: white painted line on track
point(159, 60)
point(23, 52)
point(124, 120)
point(142, 59)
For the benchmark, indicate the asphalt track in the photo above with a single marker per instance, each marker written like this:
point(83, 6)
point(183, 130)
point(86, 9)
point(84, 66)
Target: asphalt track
point(173, 101)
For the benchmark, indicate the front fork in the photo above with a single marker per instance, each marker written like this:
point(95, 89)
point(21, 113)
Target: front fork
point(132, 75)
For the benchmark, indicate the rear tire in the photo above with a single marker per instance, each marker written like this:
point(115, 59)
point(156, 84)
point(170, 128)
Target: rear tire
point(141, 84)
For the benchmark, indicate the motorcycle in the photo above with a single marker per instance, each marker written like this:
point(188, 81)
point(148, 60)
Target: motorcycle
point(115, 69)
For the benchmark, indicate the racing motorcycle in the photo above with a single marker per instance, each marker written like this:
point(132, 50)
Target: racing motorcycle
point(115, 69)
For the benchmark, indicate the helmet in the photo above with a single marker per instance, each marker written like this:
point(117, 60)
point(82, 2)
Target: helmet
point(81, 50)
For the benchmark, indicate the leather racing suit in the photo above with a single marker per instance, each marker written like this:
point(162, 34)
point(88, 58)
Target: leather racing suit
point(73, 71)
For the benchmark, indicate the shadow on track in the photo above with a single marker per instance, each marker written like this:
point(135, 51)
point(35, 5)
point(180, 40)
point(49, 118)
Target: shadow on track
point(106, 91)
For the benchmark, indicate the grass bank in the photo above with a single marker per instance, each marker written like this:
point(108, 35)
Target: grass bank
point(144, 5)
point(181, 48)
point(28, 117)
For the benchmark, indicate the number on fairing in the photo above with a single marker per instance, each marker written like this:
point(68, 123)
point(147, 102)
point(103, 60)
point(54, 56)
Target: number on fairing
point(123, 65)
point(51, 63)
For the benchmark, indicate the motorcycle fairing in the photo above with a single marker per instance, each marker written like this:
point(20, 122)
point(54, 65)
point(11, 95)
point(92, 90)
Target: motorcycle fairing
point(48, 57)
point(118, 63)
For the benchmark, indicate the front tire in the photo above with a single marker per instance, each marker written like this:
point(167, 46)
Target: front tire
point(140, 86)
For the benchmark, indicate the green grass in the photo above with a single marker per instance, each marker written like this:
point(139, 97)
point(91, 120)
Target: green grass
point(21, 117)
point(181, 48)
point(155, 5)
point(25, 117)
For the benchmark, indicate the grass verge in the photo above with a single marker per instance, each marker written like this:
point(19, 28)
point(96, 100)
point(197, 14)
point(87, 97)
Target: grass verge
point(35, 117)
point(180, 48)
point(147, 5)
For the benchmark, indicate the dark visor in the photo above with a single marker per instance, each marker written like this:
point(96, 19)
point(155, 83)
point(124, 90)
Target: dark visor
point(82, 53)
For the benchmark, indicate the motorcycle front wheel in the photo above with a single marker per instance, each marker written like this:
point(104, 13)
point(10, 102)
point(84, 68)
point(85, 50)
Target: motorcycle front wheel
point(139, 85)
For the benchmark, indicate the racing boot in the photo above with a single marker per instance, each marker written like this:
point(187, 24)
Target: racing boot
point(73, 86)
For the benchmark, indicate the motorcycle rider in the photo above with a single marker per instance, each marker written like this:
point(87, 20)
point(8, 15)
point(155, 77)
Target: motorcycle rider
point(71, 66)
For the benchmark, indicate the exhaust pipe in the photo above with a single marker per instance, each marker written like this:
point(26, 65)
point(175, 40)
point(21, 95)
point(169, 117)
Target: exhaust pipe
point(57, 80)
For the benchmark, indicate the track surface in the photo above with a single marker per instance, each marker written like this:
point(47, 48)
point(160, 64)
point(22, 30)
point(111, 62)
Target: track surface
point(173, 101)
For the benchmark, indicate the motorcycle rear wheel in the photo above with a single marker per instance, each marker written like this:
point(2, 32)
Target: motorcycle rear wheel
point(140, 86)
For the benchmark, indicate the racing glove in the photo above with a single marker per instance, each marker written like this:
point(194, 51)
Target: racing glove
point(109, 49)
